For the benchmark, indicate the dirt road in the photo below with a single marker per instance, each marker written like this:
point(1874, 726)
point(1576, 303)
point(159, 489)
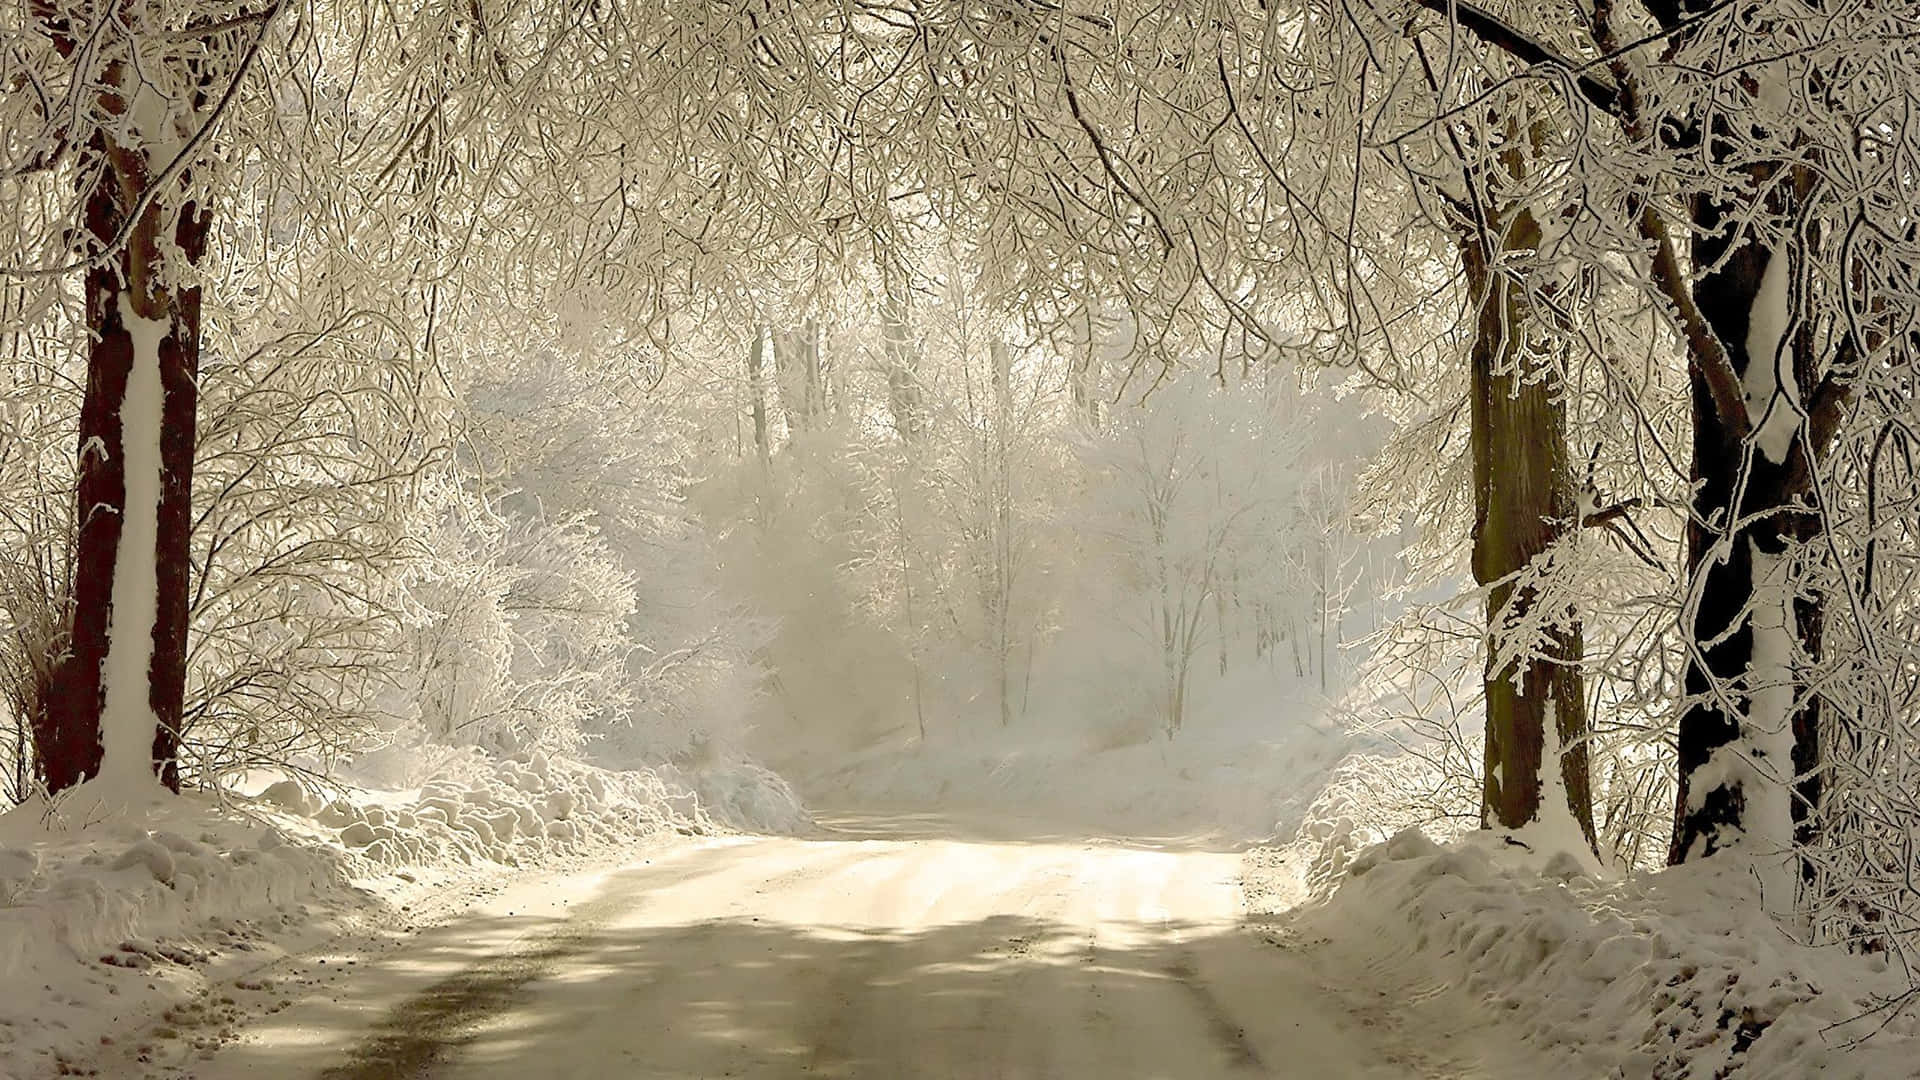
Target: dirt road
point(884, 948)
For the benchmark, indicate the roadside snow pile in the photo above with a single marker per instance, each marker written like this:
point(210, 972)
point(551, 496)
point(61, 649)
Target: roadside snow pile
point(105, 918)
point(72, 888)
point(513, 811)
point(109, 917)
point(1676, 974)
point(531, 808)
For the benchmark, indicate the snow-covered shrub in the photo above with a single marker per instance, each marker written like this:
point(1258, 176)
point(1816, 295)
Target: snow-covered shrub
point(520, 634)
point(32, 625)
point(607, 624)
point(459, 644)
point(1373, 796)
point(308, 469)
point(38, 400)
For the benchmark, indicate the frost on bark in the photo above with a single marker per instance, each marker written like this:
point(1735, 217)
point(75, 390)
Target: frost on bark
point(1747, 732)
point(115, 700)
point(1766, 401)
point(1524, 500)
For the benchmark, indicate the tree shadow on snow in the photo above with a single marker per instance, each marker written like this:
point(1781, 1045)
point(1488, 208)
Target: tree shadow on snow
point(1007, 997)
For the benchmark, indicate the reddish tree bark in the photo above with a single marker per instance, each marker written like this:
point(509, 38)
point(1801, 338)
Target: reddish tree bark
point(145, 250)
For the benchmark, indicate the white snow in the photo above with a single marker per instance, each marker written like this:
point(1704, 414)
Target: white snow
point(1758, 763)
point(127, 722)
point(1766, 734)
point(1679, 973)
point(1554, 831)
point(1771, 392)
point(121, 913)
point(1240, 783)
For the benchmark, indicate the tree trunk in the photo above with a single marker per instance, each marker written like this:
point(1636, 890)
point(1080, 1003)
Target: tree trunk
point(796, 367)
point(757, 386)
point(1220, 620)
point(1749, 741)
point(1323, 594)
point(903, 358)
point(816, 392)
point(1001, 358)
point(1524, 501)
point(116, 699)
point(1743, 702)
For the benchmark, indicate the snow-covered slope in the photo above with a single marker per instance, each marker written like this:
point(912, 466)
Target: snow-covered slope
point(1676, 974)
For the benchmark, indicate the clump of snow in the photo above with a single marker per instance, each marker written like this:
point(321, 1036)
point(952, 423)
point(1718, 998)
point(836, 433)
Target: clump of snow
point(1679, 973)
point(291, 796)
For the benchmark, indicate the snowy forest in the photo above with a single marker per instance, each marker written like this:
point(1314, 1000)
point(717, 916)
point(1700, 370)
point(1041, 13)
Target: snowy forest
point(1407, 508)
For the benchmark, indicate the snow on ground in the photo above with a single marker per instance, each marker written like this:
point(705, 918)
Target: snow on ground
point(1235, 783)
point(880, 948)
point(110, 922)
point(1677, 974)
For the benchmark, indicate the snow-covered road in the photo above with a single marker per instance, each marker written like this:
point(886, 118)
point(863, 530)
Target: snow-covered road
point(884, 948)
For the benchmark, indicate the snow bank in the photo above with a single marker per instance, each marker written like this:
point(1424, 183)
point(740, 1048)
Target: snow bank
point(512, 812)
point(533, 808)
point(1675, 974)
point(76, 888)
point(114, 917)
point(107, 917)
point(1368, 798)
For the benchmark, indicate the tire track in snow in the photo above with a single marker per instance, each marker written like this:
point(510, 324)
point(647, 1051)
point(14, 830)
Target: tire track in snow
point(1229, 1038)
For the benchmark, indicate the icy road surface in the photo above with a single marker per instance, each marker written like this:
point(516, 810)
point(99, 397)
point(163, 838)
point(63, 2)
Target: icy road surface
point(883, 948)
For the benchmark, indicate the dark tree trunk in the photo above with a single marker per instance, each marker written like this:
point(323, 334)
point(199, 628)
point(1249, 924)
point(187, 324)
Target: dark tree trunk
point(1808, 723)
point(137, 282)
point(1768, 512)
point(1524, 501)
point(1773, 516)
